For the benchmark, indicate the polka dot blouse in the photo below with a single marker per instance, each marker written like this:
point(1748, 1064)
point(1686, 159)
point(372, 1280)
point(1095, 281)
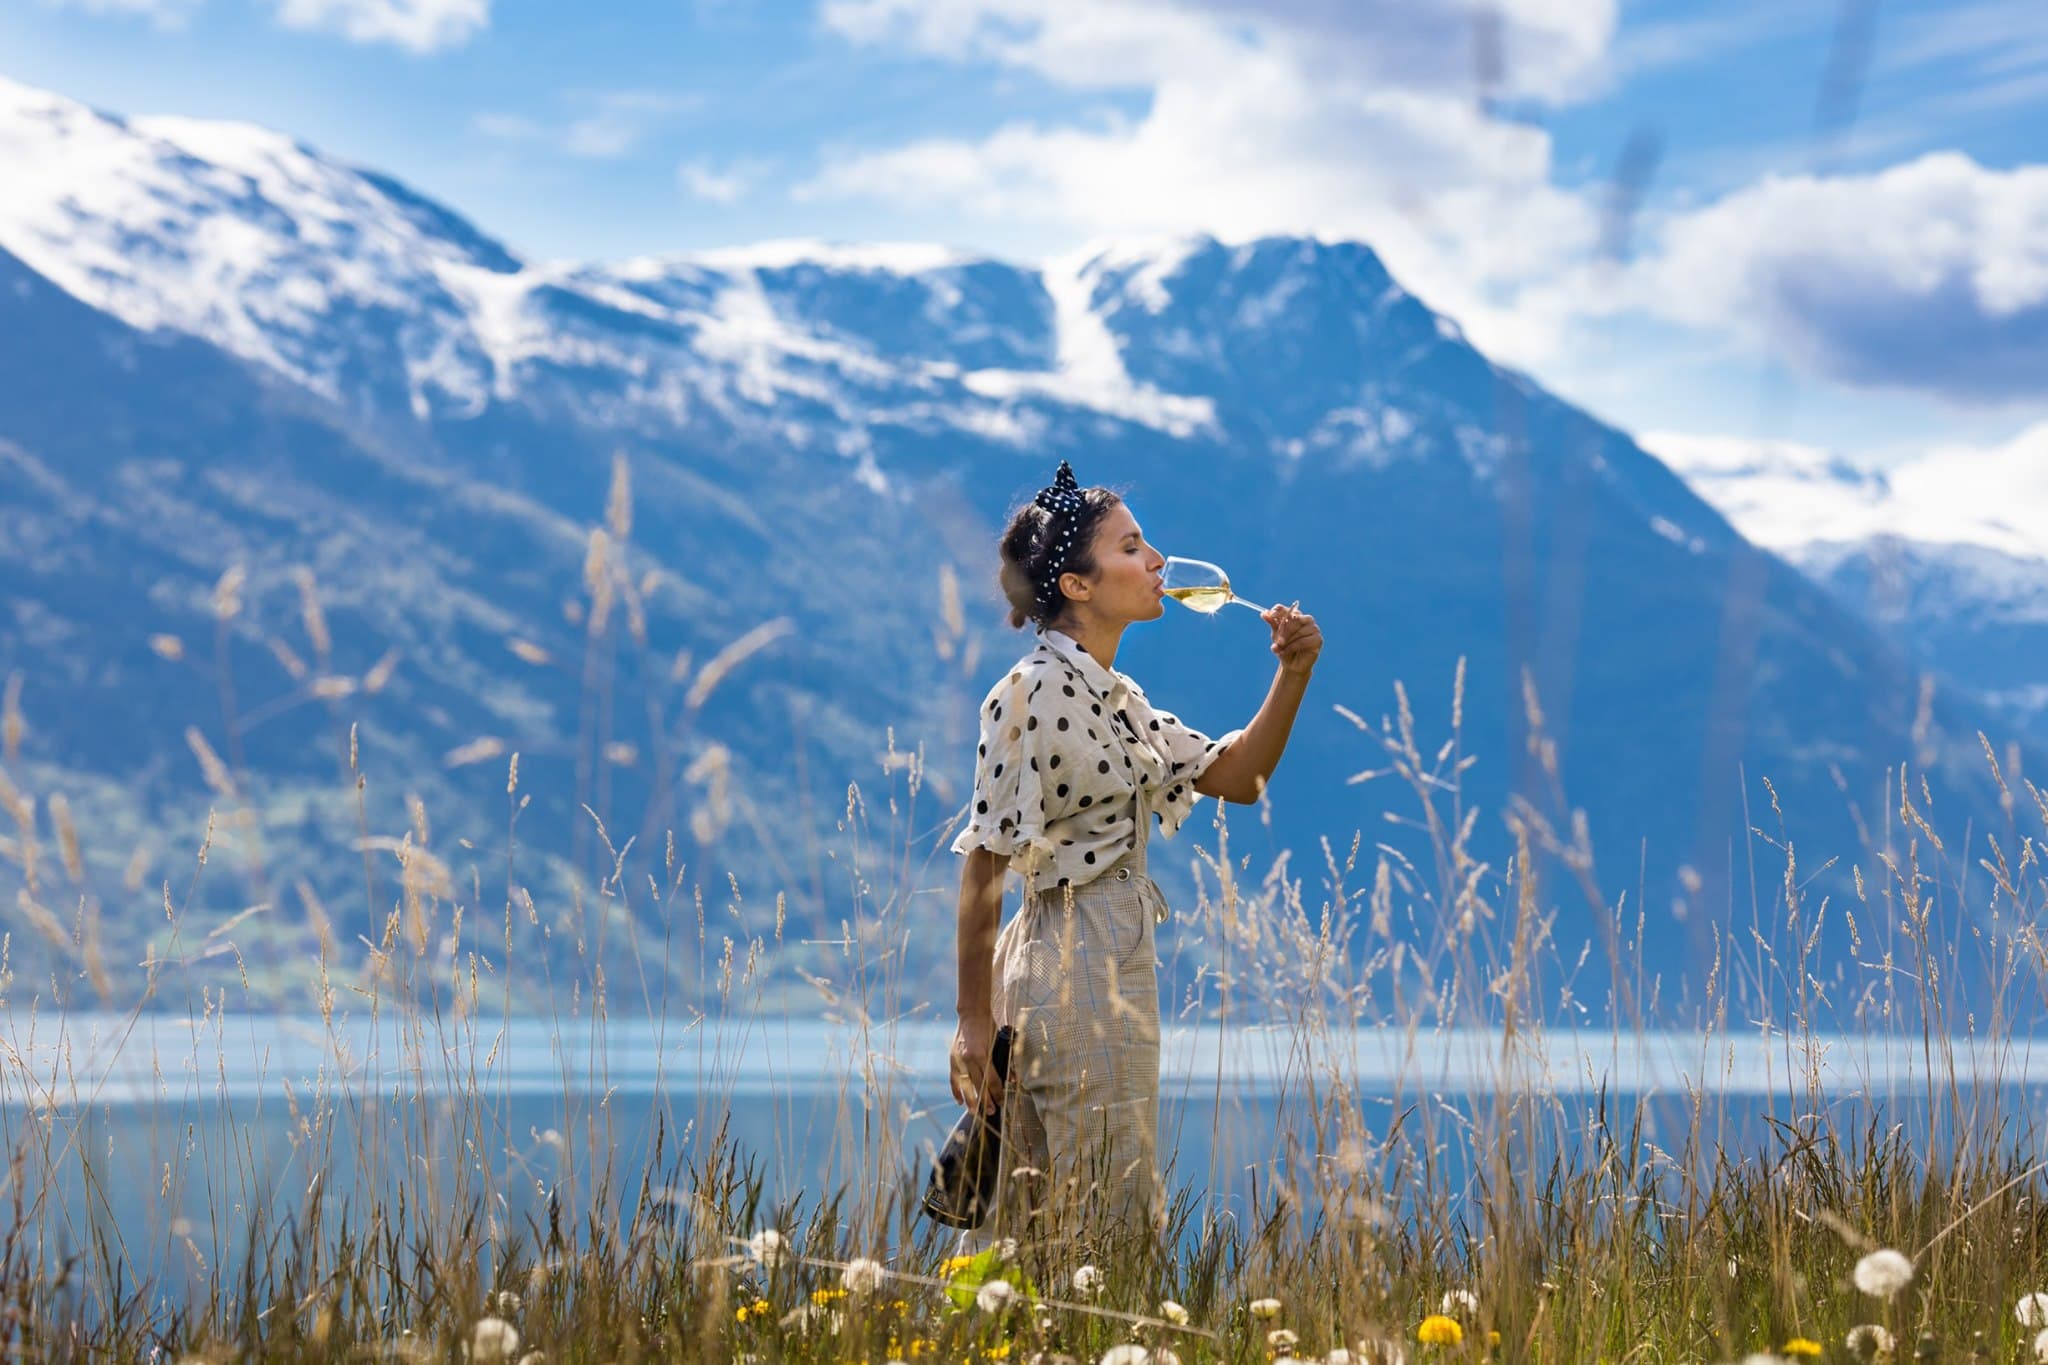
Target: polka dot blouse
point(1065, 743)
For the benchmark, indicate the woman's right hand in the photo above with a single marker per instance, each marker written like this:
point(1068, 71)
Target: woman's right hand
point(975, 1083)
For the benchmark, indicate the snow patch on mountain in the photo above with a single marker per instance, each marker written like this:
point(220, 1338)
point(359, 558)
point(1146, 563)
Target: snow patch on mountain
point(1789, 496)
point(889, 258)
point(1090, 370)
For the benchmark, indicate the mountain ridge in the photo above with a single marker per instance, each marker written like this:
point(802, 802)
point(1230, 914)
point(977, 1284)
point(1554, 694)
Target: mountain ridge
point(819, 454)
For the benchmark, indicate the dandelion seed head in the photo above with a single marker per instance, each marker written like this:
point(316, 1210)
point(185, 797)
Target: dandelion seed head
point(863, 1276)
point(1264, 1309)
point(1868, 1340)
point(1282, 1340)
point(508, 1303)
point(2041, 1345)
point(994, 1296)
point(493, 1341)
point(2032, 1310)
point(1088, 1280)
point(1883, 1273)
point(1163, 1356)
point(1126, 1355)
point(1173, 1312)
point(1340, 1356)
point(769, 1247)
point(1459, 1303)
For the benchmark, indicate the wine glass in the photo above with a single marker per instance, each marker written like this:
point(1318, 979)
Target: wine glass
point(1200, 586)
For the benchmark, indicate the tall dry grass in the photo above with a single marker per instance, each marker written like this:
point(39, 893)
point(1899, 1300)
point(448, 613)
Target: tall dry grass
point(363, 1189)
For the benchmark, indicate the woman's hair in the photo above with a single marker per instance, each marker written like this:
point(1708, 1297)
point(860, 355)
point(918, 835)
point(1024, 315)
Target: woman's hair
point(1027, 552)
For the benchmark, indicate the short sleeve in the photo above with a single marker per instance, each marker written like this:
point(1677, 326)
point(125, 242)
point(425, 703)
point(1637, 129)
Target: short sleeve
point(1187, 753)
point(1008, 813)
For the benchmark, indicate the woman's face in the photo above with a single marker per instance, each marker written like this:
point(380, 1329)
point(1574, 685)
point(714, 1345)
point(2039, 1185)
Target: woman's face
point(1126, 584)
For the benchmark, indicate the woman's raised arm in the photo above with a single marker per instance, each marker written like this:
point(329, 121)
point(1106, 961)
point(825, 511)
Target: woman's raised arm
point(1240, 771)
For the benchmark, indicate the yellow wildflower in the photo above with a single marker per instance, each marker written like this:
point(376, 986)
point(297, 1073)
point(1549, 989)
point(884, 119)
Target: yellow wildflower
point(822, 1297)
point(1438, 1330)
point(1802, 1346)
point(954, 1264)
point(999, 1352)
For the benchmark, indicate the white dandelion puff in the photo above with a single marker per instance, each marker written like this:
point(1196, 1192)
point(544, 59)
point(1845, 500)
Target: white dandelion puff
point(994, 1296)
point(769, 1247)
point(1173, 1312)
point(863, 1276)
point(1126, 1355)
point(493, 1340)
point(2032, 1310)
point(1459, 1303)
point(1868, 1340)
point(1264, 1309)
point(1340, 1356)
point(2041, 1345)
point(1883, 1273)
point(1282, 1340)
point(1088, 1280)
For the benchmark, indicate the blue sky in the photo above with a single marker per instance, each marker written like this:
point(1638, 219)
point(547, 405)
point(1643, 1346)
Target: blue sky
point(1841, 234)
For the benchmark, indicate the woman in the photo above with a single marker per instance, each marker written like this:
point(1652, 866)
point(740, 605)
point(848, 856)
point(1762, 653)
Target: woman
point(1074, 764)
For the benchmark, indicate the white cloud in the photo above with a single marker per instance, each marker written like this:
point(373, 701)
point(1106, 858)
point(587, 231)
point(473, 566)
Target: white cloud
point(614, 124)
point(163, 13)
point(1301, 116)
point(506, 127)
point(1541, 48)
point(1929, 276)
point(1358, 119)
point(702, 181)
point(419, 26)
point(620, 119)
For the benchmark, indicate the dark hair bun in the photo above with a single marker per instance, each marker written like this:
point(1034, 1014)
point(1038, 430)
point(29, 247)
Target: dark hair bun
point(1028, 557)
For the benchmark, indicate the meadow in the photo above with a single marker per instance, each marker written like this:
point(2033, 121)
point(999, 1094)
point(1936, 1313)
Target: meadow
point(1850, 1209)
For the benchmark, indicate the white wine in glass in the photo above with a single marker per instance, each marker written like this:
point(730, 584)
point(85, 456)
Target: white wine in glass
point(1200, 586)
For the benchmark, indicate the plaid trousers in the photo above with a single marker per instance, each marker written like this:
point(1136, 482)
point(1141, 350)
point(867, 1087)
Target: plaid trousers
point(1075, 974)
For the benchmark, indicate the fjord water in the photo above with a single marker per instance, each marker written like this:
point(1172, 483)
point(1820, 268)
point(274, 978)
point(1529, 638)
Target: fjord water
point(170, 1139)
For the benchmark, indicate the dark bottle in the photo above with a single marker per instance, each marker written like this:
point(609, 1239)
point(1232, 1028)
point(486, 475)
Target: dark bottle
point(962, 1187)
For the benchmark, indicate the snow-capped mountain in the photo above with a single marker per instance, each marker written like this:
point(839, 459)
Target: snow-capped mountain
point(287, 448)
point(1947, 552)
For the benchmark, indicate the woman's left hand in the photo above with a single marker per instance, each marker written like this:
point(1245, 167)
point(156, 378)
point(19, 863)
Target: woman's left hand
point(1297, 639)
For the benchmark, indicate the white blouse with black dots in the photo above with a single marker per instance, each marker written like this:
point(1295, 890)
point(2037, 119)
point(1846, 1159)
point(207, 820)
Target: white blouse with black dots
point(1064, 743)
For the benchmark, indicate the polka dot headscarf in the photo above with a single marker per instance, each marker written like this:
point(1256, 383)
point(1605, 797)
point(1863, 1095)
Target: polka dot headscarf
point(1062, 504)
